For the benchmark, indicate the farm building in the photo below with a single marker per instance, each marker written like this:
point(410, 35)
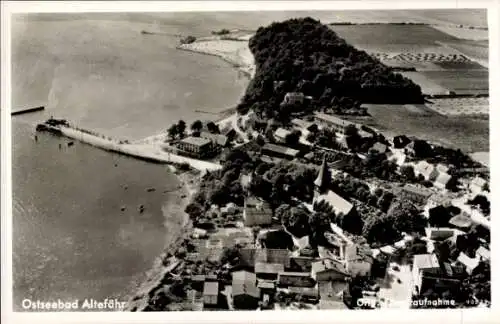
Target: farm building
point(337, 124)
point(279, 151)
point(210, 293)
point(256, 212)
point(244, 290)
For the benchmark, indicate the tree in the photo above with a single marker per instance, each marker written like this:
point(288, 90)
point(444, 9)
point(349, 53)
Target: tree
point(173, 131)
point(181, 128)
point(292, 138)
point(213, 128)
point(408, 172)
point(196, 126)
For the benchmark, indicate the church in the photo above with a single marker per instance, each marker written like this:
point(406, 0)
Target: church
point(322, 193)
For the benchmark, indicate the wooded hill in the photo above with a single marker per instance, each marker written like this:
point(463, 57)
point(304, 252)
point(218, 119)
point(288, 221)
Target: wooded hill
point(303, 55)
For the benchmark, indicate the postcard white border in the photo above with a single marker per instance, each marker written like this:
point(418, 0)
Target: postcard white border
point(348, 316)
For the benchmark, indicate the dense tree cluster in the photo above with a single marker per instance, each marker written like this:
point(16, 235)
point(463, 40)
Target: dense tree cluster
point(482, 203)
point(386, 228)
point(283, 182)
point(303, 55)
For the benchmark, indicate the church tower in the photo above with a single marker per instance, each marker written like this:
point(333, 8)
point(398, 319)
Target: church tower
point(322, 182)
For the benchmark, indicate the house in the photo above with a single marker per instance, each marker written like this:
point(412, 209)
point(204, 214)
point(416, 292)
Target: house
point(427, 170)
point(360, 264)
point(280, 134)
point(230, 133)
point(197, 147)
point(337, 124)
point(417, 194)
point(268, 271)
point(424, 264)
point(477, 184)
point(244, 290)
point(293, 98)
point(328, 270)
point(483, 253)
point(266, 287)
point(216, 139)
point(279, 151)
point(438, 200)
point(469, 263)
point(397, 156)
point(439, 233)
point(379, 148)
point(280, 256)
point(210, 293)
point(442, 180)
point(441, 168)
point(256, 212)
point(295, 279)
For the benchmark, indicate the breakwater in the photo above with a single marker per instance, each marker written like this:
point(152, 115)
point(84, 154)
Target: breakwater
point(27, 110)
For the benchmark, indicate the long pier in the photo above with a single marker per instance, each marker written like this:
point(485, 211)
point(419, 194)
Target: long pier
point(146, 152)
point(27, 110)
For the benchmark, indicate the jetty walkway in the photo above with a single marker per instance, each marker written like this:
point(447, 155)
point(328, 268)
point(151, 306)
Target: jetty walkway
point(148, 152)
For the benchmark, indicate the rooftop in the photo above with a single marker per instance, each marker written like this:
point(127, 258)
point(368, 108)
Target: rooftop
point(244, 283)
point(470, 263)
point(266, 284)
point(461, 221)
point(197, 141)
point(379, 147)
point(425, 261)
point(211, 288)
point(422, 191)
point(261, 267)
point(339, 204)
point(478, 181)
point(424, 168)
point(326, 264)
point(332, 119)
point(219, 139)
point(443, 178)
point(282, 133)
point(280, 149)
point(483, 253)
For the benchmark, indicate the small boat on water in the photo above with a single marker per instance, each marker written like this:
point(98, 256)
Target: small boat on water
point(141, 209)
point(150, 189)
point(123, 208)
point(71, 143)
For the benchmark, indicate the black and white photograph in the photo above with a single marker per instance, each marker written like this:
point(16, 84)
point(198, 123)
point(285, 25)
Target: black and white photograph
point(250, 160)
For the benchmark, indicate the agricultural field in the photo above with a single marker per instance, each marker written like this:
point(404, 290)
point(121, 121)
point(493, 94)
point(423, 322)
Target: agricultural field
point(428, 85)
point(460, 81)
point(465, 133)
point(419, 35)
point(460, 106)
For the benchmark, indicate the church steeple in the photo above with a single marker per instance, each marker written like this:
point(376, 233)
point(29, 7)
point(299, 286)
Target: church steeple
point(322, 182)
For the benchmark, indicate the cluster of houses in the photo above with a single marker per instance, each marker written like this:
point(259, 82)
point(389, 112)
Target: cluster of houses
point(262, 273)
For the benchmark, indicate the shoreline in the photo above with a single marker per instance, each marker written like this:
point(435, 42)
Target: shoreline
point(139, 299)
